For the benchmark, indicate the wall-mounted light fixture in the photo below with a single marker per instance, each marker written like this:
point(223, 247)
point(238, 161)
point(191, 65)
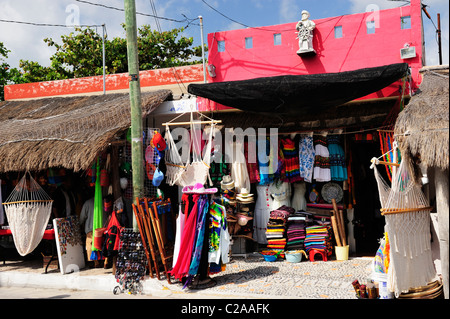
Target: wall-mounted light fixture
point(408, 52)
point(212, 70)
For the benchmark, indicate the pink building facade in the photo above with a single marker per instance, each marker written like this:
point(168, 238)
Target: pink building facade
point(344, 43)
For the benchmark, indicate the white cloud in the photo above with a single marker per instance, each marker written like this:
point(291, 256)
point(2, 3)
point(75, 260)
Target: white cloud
point(289, 11)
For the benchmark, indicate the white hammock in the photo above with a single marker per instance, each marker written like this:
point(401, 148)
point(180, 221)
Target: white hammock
point(28, 209)
point(406, 212)
point(193, 172)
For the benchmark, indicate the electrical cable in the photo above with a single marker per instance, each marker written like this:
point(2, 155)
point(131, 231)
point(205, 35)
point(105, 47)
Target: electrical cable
point(51, 25)
point(138, 13)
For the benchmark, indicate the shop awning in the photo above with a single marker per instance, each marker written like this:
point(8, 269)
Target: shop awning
point(67, 132)
point(300, 94)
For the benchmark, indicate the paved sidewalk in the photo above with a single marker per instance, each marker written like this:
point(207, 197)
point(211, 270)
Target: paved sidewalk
point(248, 278)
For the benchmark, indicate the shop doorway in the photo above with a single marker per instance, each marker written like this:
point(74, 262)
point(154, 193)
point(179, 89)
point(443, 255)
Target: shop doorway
point(368, 222)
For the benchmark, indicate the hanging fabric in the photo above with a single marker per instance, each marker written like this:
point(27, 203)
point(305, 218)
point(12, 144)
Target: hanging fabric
point(306, 157)
point(182, 265)
point(98, 217)
point(2, 212)
point(322, 171)
point(28, 210)
point(338, 168)
point(174, 164)
point(203, 208)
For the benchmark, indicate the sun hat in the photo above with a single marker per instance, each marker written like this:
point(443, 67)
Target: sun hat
point(227, 182)
point(243, 219)
point(245, 196)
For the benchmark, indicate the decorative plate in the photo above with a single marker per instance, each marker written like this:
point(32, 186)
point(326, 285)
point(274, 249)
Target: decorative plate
point(332, 190)
point(314, 196)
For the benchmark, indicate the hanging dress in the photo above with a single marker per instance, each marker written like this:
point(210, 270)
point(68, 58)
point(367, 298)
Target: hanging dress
point(299, 199)
point(263, 207)
point(291, 161)
point(239, 172)
point(266, 167)
point(252, 167)
point(281, 194)
point(219, 237)
point(306, 157)
point(183, 263)
point(322, 171)
point(179, 231)
point(338, 167)
point(203, 207)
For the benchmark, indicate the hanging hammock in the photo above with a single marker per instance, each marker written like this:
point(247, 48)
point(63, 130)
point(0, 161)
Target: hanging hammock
point(28, 210)
point(406, 212)
point(193, 172)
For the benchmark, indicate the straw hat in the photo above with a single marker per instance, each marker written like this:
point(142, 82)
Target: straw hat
point(244, 196)
point(227, 182)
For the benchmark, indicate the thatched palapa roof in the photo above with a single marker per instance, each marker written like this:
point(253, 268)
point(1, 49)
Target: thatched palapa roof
point(422, 127)
point(65, 132)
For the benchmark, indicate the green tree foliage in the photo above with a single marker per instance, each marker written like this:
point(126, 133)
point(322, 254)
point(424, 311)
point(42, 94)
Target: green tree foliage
point(4, 69)
point(80, 54)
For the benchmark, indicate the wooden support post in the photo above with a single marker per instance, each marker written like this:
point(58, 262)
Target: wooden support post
point(137, 152)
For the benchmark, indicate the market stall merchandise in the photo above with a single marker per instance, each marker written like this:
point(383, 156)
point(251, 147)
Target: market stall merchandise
point(28, 202)
point(406, 210)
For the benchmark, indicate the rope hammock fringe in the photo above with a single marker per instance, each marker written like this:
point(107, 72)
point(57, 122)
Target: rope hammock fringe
point(28, 210)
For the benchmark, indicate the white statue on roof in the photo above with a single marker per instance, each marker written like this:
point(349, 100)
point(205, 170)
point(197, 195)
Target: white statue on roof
point(305, 36)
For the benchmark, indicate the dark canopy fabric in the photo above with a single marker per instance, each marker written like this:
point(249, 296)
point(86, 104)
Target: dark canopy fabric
point(300, 94)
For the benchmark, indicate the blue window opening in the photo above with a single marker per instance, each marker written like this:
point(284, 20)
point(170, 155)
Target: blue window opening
point(249, 43)
point(221, 46)
point(277, 39)
point(338, 32)
point(370, 27)
point(405, 22)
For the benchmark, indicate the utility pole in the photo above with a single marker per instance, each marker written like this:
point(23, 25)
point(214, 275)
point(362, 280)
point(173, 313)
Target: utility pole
point(135, 102)
point(439, 37)
point(203, 48)
point(103, 57)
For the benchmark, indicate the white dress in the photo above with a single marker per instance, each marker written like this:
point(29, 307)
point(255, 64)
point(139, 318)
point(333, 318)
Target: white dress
point(263, 207)
point(322, 172)
point(298, 199)
point(239, 172)
point(281, 194)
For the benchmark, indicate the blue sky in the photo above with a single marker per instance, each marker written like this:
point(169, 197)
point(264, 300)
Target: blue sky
point(26, 41)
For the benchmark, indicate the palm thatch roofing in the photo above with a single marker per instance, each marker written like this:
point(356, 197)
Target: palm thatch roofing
point(67, 132)
point(422, 127)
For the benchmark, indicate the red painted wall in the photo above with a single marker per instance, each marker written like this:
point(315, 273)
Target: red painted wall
point(355, 50)
point(93, 84)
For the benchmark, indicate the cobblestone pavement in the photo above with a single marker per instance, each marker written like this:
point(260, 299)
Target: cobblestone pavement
point(255, 277)
point(248, 278)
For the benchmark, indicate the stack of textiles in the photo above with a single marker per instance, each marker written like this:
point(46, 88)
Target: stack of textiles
point(317, 237)
point(275, 234)
point(276, 227)
point(296, 232)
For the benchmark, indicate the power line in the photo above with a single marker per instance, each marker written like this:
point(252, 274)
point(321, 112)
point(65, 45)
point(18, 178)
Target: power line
point(50, 25)
point(138, 13)
point(243, 24)
point(158, 26)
